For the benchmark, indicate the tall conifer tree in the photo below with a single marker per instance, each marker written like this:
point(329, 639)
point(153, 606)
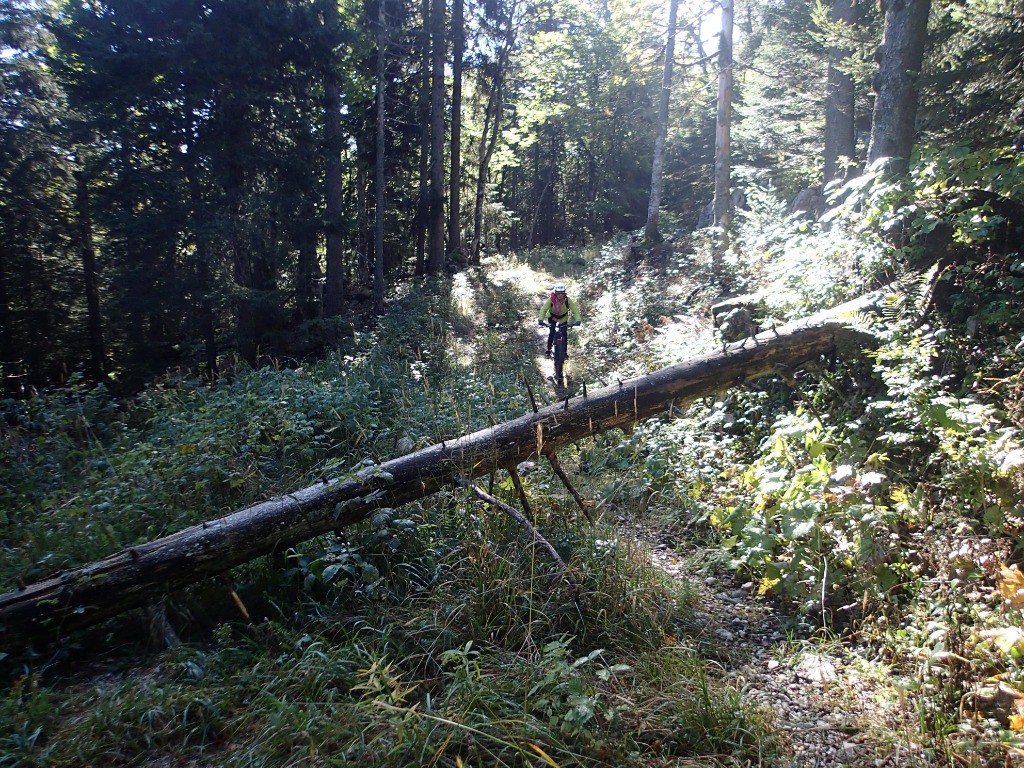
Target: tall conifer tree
point(651, 230)
point(896, 86)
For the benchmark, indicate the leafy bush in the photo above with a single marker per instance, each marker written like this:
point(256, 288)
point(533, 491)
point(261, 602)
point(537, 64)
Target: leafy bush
point(84, 476)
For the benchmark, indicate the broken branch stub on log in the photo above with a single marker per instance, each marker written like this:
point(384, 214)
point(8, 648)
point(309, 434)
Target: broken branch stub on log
point(140, 574)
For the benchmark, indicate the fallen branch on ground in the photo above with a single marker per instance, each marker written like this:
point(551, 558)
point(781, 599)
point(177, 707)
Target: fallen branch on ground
point(529, 527)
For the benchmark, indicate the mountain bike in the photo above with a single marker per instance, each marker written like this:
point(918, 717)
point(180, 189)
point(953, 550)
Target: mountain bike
point(560, 351)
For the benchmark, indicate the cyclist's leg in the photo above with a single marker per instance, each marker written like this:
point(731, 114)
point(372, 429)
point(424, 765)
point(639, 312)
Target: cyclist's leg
point(556, 349)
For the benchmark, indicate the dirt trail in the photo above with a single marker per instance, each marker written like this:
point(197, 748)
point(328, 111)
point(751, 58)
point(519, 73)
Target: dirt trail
point(832, 706)
point(509, 276)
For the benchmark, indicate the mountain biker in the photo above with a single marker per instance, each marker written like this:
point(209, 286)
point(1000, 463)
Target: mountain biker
point(556, 310)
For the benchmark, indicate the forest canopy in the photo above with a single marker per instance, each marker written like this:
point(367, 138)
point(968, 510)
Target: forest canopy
point(190, 182)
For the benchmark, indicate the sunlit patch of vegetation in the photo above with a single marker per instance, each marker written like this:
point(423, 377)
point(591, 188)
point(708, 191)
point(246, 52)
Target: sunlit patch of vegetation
point(886, 500)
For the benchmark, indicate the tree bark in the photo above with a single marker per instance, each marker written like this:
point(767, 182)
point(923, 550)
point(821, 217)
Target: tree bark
point(248, 262)
point(651, 231)
point(202, 269)
point(488, 139)
point(840, 136)
point(491, 132)
point(87, 249)
point(8, 353)
point(334, 286)
point(139, 574)
point(698, 42)
point(435, 258)
point(722, 135)
point(378, 220)
point(455, 171)
point(208, 323)
point(423, 109)
point(900, 56)
point(307, 268)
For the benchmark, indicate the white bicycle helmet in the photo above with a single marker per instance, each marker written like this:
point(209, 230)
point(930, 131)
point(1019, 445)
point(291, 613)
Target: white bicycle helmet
point(559, 288)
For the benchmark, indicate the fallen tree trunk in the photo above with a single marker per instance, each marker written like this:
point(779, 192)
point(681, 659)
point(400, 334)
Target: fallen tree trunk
point(141, 574)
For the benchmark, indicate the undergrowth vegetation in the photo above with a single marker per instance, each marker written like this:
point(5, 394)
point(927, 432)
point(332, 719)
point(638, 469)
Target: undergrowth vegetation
point(882, 499)
point(877, 500)
point(431, 634)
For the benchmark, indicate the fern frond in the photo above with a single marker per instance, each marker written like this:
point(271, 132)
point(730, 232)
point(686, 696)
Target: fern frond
point(861, 321)
point(929, 280)
point(896, 308)
point(910, 297)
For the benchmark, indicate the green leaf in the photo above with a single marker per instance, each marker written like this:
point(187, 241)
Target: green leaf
point(330, 572)
point(800, 521)
point(887, 578)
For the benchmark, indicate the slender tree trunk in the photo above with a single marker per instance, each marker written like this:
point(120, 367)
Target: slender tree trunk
point(593, 188)
point(138, 350)
point(334, 287)
point(208, 322)
point(257, 279)
point(512, 203)
point(245, 254)
point(305, 233)
point(554, 184)
point(492, 123)
point(651, 231)
point(435, 262)
point(698, 43)
point(7, 347)
point(900, 56)
point(207, 316)
point(423, 200)
point(363, 241)
point(722, 135)
point(540, 196)
point(201, 268)
point(87, 249)
point(37, 325)
point(307, 270)
point(481, 178)
point(378, 224)
point(455, 172)
point(840, 135)
point(247, 317)
point(488, 141)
